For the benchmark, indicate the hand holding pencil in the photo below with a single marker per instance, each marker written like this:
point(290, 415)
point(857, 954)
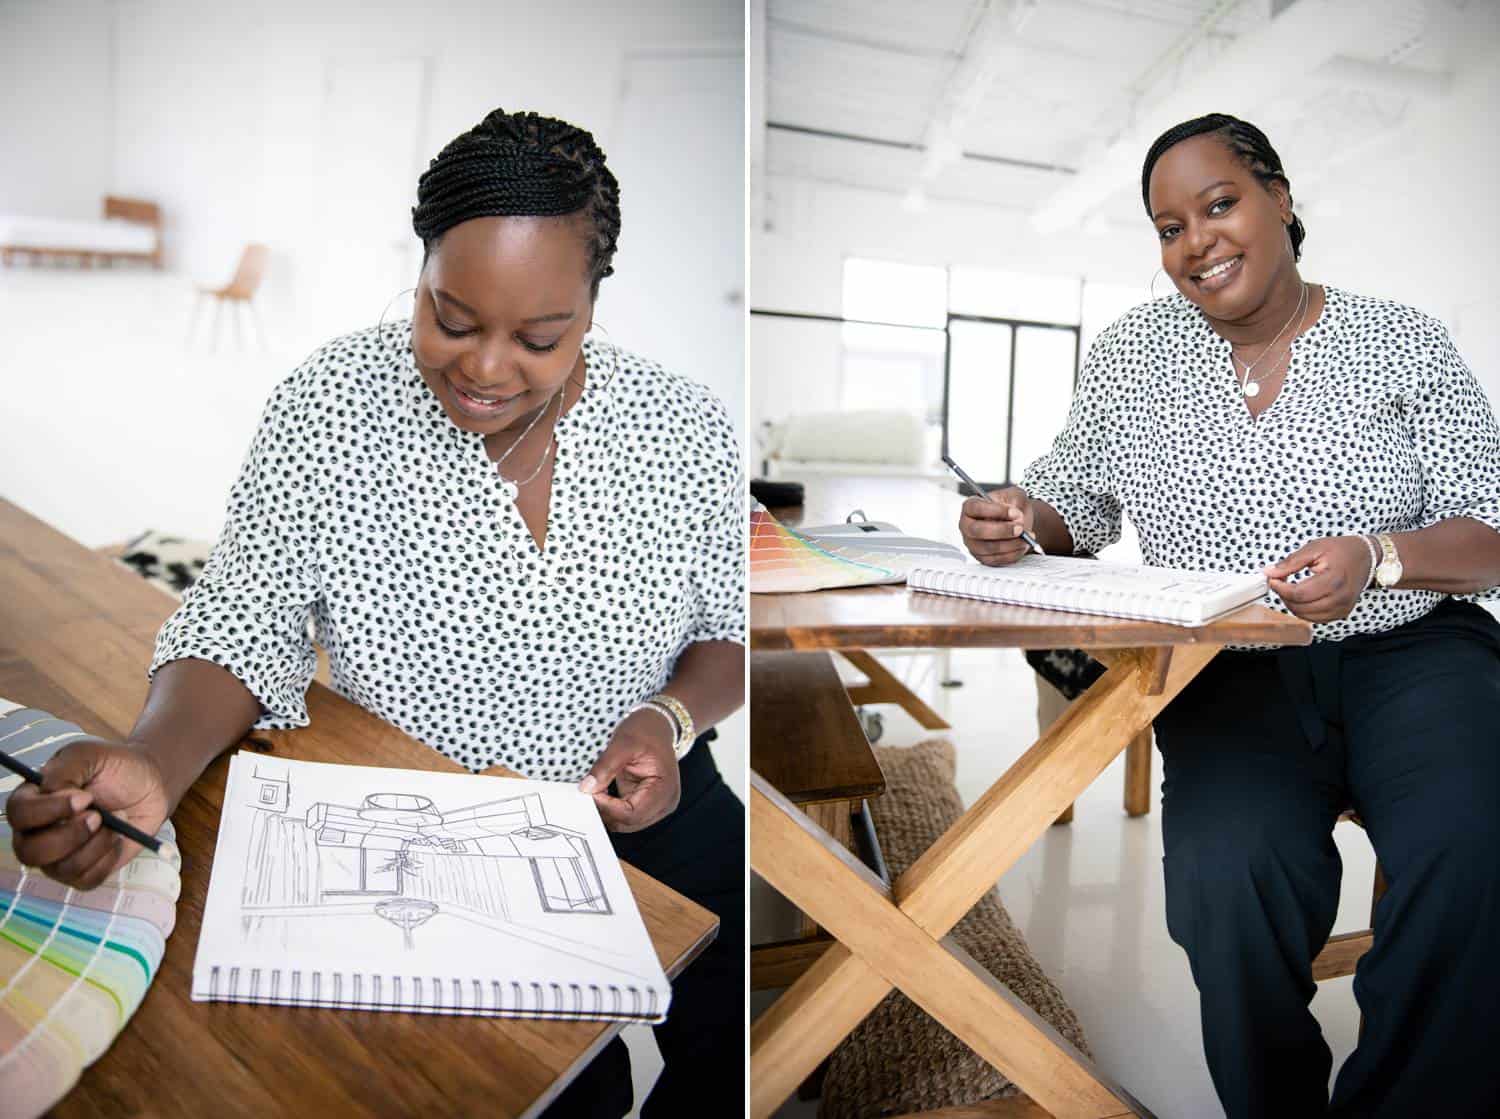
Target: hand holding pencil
point(58, 826)
point(992, 526)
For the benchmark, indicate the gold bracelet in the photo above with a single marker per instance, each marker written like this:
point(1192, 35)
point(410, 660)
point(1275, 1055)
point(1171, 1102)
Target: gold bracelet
point(665, 714)
point(685, 730)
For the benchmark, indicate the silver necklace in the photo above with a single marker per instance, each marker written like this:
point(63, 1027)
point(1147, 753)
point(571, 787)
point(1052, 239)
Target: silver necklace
point(513, 488)
point(1249, 387)
point(540, 412)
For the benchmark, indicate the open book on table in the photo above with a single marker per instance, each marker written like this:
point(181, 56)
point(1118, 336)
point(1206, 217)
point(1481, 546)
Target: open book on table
point(1117, 590)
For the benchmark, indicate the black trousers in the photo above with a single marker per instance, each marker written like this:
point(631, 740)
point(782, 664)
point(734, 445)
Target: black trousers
point(699, 851)
point(1261, 753)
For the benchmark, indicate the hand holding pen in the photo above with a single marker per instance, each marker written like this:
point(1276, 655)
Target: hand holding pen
point(997, 527)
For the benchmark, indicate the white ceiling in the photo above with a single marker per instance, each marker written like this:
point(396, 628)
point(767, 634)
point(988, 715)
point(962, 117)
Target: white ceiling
point(1065, 95)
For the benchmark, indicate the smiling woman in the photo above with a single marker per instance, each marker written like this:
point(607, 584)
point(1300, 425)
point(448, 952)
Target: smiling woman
point(519, 544)
point(1252, 422)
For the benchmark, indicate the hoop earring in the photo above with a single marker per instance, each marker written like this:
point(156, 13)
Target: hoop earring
point(380, 325)
point(1158, 272)
point(614, 357)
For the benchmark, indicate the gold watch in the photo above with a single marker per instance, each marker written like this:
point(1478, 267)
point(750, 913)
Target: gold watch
point(1388, 570)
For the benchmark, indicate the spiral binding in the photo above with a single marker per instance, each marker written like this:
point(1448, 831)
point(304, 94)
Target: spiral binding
point(432, 994)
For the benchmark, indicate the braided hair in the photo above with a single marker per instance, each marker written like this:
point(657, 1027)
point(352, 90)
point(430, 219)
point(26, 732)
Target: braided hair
point(521, 164)
point(1246, 142)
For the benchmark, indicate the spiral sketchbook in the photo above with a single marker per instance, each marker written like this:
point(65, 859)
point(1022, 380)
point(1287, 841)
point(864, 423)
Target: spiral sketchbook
point(1115, 590)
point(439, 893)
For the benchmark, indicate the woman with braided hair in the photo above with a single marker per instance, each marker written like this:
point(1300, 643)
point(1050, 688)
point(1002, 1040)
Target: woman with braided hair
point(1255, 421)
point(517, 543)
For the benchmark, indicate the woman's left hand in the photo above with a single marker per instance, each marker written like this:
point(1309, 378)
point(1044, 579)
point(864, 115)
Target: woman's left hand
point(1340, 568)
point(640, 761)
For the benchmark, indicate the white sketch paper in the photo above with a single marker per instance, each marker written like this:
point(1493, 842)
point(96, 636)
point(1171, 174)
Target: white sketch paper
point(379, 874)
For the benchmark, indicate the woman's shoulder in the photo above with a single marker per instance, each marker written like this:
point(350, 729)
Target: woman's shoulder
point(352, 374)
point(650, 397)
point(1374, 319)
point(1165, 321)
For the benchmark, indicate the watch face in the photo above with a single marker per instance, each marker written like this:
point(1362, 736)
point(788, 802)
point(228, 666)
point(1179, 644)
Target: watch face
point(1388, 573)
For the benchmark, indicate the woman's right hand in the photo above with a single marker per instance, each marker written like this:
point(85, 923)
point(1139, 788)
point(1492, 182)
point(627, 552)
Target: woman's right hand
point(57, 827)
point(992, 529)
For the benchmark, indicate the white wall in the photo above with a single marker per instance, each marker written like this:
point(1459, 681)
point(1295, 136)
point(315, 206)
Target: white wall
point(56, 123)
point(223, 116)
point(1415, 221)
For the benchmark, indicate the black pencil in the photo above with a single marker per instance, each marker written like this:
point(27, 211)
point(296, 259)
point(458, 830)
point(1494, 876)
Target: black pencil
point(111, 821)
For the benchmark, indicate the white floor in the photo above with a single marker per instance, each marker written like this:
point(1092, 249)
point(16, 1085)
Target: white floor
point(112, 423)
point(1088, 896)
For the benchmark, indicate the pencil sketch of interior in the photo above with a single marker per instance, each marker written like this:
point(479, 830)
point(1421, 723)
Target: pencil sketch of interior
point(399, 858)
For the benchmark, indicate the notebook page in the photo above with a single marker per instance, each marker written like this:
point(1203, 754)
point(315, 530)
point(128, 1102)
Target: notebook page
point(434, 891)
point(1065, 582)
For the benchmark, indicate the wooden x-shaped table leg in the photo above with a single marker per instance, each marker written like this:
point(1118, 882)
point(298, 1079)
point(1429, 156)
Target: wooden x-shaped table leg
point(897, 937)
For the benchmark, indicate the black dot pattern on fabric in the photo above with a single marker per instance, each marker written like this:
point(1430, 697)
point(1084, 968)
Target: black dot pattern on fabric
point(362, 507)
point(1379, 427)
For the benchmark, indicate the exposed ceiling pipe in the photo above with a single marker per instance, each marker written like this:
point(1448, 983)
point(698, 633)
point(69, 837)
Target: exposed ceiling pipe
point(980, 64)
point(1299, 40)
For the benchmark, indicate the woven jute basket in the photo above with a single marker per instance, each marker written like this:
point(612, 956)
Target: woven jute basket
point(898, 1060)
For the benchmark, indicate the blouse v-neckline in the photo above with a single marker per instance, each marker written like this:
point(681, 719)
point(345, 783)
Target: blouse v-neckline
point(1301, 343)
point(575, 424)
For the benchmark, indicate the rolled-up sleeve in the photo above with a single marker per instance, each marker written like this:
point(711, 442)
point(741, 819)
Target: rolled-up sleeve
point(718, 570)
point(1458, 443)
point(1075, 476)
point(249, 611)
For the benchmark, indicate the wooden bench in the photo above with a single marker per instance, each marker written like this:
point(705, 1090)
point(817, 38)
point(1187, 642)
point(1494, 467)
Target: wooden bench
point(806, 740)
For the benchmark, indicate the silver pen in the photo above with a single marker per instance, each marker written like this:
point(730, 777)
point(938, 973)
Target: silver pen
point(979, 492)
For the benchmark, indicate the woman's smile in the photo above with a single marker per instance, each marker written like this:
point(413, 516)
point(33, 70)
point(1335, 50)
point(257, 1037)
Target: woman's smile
point(481, 405)
point(1219, 274)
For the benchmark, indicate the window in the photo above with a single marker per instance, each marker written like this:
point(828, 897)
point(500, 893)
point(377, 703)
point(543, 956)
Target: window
point(898, 366)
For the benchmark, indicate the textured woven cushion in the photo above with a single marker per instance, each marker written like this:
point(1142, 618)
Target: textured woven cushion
point(898, 1060)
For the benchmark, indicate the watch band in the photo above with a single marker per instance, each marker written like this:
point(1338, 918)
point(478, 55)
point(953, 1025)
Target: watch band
point(665, 714)
point(1388, 573)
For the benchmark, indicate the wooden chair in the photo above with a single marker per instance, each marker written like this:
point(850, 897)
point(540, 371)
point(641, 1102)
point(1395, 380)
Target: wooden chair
point(1343, 951)
point(806, 740)
point(239, 293)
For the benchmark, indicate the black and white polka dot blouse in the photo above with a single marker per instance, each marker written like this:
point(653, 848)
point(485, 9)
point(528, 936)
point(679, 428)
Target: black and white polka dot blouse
point(1379, 427)
point(362, 506)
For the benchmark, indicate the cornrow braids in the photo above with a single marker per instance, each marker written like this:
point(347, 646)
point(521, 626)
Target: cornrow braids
point(1249, 145)
point(522, 165)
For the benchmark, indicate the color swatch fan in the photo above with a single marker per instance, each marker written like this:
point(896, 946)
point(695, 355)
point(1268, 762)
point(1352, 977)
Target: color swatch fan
point(782, 559)
point(73, 966)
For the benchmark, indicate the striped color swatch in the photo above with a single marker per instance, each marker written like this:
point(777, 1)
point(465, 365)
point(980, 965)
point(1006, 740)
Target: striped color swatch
point(73, 966)
point(783, 559)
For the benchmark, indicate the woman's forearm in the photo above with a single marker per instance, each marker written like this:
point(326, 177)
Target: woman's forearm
point(709, 679)
point(1051, 530)
point(194, 712)
point(1457, 556)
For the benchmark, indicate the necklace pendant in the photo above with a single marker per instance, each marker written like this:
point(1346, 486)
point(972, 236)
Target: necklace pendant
point(1252, 389)
point(510, 488)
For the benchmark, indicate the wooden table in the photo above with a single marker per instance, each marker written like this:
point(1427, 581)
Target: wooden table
point(76, 633)
point(894, 936)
